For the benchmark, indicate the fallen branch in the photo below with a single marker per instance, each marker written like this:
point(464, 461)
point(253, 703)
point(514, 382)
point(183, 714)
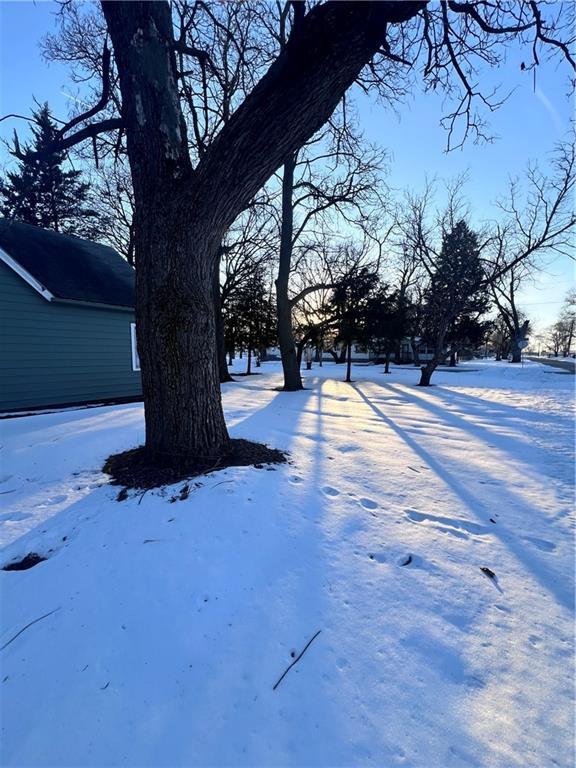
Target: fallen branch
point(29, 625)
point(221, 483)
point(296, 660)
point(142, 496)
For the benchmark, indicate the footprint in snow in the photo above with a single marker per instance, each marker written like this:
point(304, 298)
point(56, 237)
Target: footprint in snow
point(542, 544)
point(378, 557)
point(329, 491)
point(296, 479)
point(368, 503)
point(10, 517)
point(54, 500)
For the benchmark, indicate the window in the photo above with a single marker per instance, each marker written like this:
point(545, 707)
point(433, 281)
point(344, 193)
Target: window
point(135, 358)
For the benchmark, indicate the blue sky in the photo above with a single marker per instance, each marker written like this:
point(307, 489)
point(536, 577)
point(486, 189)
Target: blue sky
point(527, 126)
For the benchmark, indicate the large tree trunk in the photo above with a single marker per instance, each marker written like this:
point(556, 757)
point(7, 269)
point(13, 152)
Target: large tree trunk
point(519, 335)
point(176, 325)
point(182, 214)
point(427, 370)
point(290, 361)
point(515, 351)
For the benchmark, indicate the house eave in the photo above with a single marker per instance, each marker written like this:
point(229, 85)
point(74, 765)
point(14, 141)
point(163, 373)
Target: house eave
point(94, 304)
point(26, 276)
point(48, 295)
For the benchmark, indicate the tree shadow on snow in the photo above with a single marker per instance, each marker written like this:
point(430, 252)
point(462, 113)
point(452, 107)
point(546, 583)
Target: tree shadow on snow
point(552, 582)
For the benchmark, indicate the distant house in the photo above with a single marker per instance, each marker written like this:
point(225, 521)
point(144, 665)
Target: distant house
point(67, 332)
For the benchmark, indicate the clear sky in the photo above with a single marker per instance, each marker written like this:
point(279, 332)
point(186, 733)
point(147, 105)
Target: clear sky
point(527, 126)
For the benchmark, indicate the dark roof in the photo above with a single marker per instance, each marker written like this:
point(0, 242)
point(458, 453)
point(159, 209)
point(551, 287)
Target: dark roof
point(70, 268)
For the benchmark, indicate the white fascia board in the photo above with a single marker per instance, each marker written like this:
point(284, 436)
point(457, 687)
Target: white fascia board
point(19, 269)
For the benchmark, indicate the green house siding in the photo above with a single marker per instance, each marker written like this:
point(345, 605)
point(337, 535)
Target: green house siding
point(55, 353)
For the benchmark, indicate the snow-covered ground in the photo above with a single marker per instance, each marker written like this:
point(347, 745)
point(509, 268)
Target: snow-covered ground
point(173, 620)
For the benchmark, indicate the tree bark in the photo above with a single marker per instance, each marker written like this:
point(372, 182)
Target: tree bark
point(518, 335)
point(290, 360)
point(452, 363)
point(425, 375)
point(427, 370)
point(178, 360)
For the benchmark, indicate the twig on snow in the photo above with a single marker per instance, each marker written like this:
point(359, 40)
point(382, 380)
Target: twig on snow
point(296, 660)
point(142, 496)
point(29, 625)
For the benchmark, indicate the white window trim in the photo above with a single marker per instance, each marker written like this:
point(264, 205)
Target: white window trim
point(134, 348)
point(26, 276)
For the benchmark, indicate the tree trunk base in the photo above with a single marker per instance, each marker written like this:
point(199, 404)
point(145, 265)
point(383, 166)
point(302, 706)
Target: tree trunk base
point(425, 377)
point(138, 468)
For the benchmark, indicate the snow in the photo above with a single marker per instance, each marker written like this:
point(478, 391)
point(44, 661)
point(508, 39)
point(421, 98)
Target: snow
point(174, 619)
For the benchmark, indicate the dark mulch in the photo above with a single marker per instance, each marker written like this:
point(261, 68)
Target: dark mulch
point(252, 373)
point(27, 562)
point(137, 468)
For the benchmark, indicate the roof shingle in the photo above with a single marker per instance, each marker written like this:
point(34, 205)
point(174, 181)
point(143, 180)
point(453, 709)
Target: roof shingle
point(69, 267)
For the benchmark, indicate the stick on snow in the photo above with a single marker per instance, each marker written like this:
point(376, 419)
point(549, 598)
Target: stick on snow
point(297, 659)
point(28, 625)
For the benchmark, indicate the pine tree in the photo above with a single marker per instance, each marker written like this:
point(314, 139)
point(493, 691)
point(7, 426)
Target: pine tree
point(42, 193)
point(250, 315)
point(457, 290)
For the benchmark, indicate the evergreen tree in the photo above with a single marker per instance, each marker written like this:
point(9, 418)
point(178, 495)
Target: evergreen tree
point(249, 318)
point(42, 193)
point(387, 323)
point(457, 289)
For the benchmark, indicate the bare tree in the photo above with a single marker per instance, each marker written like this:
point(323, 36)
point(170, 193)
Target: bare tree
point(331, 181)
point(564, 328)
point(504, 292)
point(536, 220)
point(182, 212)
point(113, 200)
point(248, 247)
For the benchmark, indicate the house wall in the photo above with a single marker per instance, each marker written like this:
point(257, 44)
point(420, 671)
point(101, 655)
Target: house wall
point(53, 353)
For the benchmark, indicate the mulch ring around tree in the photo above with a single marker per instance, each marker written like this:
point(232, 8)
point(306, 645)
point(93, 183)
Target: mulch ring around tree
point(137, 469)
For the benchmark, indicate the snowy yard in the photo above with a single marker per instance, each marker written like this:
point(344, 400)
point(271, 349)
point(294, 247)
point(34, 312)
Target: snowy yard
point(173, 620)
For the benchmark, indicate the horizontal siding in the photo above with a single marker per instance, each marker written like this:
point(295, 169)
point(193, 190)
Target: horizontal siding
point(54, 353)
